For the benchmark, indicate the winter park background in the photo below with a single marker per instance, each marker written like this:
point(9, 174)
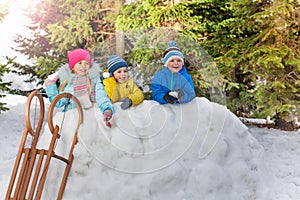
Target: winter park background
point(198, 150)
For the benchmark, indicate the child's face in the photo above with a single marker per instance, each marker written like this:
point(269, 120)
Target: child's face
point(121, 74)
point(175, 64)
point(81, 68)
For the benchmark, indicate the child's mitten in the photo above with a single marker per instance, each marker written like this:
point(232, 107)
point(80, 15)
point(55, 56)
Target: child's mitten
point(180, 94)
point(107, 115)
point(126, 103)
point(51, 79)
point(170, 98)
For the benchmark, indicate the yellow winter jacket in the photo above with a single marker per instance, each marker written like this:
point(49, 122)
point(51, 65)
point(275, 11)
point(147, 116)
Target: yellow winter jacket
point(118, 91)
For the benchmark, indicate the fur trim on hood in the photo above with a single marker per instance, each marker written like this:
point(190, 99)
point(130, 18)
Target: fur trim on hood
point(65, 73)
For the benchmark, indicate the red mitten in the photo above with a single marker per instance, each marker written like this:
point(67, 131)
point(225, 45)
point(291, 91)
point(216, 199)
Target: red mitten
point(107, 115)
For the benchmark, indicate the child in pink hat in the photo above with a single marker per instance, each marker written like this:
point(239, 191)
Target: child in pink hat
point(80, 77)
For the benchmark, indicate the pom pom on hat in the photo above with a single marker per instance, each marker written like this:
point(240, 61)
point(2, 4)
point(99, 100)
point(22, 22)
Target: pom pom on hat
point(115, 62)
point(106, 75)
point(171, 52)
point(172, 45)
point(78, 55)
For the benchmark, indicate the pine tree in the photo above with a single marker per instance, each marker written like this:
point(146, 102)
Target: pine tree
point(59, 26)
point(3, 68)
point(255, 45)
point(259, 56)
point(189, 20)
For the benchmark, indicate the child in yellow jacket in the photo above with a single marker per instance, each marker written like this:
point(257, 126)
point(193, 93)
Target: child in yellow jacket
point(118, 86)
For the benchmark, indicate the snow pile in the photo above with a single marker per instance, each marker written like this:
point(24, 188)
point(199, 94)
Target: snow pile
point(198, 150)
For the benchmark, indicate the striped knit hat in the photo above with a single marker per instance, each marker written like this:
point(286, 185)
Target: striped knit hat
point(115, 62)
point(78, 55)
point(171, 52)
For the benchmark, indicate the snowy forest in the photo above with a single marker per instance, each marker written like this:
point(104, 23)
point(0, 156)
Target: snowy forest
point(253, 46)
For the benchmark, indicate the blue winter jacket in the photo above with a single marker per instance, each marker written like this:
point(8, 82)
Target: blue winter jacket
point(64, 72)
point(165, 80)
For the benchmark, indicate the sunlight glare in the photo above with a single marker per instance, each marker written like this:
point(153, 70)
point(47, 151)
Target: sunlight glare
point(4, 1)
point(14, 23)
point(22, 3)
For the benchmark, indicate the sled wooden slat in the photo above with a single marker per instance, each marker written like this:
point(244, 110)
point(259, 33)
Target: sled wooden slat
point(22, 174)
point(37, 172)
point(28, 172)
point(17, 163)
point(64, 180)
point(32, 165)
point(49, 155)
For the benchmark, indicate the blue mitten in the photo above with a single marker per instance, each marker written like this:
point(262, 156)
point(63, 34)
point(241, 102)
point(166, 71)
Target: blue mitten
point(126, 103)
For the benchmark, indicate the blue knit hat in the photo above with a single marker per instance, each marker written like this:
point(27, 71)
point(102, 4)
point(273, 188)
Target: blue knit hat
point(171, 52)
point(115, 62)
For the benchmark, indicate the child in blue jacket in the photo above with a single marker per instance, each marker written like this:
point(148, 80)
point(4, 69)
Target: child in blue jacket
point(82, 79)
point(172, 84)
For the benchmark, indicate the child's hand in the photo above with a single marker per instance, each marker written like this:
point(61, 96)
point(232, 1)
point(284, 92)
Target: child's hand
point(51, 79)
point(177, 93)
point(170, 98)
point(107, 115)
point(126, 103)
point(180, 94)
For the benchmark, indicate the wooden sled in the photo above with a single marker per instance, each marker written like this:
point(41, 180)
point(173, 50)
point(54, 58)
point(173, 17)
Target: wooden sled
point(32, 164)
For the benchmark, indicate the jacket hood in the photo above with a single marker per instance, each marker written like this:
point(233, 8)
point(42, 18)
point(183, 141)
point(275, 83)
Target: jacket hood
point(65, 72)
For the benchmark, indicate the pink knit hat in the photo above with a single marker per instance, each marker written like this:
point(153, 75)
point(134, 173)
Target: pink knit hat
point(78, 55)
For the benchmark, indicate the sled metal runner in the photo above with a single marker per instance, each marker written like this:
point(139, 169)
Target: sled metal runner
point(31, 165)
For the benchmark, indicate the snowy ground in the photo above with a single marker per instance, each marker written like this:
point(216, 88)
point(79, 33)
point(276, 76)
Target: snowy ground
point(282, 150)
point(246, 163)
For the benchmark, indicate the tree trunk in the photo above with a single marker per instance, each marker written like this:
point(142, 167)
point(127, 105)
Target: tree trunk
point(120, 43)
